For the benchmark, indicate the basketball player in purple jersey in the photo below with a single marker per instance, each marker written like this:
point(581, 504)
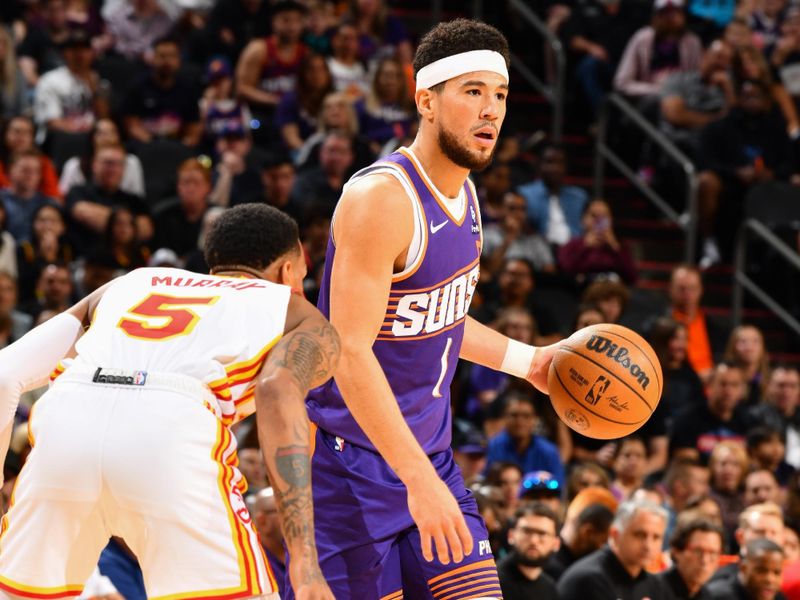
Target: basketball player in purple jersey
point(394, 519)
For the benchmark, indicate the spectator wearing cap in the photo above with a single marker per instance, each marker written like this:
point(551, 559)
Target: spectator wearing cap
point(267, 68)
point(89, 206)
point(163, 105)
point(554, 208)
point(658, 50)
point(533, 537)
point(695, 548)
point(519, 444)
point(221, 112)
point(758, 576)
point(69, 98)
point(39, 50)
point(164, 257)
point(178, 220)
point(469, 451)
point(135, 26)
point(541, 487)
point(618, 570)
point(236, 175)
point(585, 529)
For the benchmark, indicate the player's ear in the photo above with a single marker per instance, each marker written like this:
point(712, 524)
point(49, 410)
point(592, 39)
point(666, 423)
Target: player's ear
point(425, 100)
point(286, 273)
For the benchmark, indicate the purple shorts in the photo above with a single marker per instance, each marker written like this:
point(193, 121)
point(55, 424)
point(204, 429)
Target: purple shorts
point(369, 547)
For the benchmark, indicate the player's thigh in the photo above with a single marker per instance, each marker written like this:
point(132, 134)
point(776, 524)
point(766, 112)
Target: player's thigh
point(192, 514)
point(53, 532)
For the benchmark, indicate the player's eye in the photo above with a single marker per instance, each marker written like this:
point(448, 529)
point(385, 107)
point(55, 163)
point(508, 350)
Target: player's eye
point(501, 97)
point(474, 92)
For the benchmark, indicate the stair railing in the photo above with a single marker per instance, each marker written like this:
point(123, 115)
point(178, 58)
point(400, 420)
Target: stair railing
point(603, 152)
point(555, 58)
point(741, 281)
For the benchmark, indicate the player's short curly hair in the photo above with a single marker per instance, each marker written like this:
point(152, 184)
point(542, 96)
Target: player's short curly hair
point(253, 235)
point(455, 37)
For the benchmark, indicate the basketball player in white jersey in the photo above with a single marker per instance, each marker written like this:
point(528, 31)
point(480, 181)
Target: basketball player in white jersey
point(132, 438)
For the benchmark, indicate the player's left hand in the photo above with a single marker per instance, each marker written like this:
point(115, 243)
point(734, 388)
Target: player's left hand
point(537, 376)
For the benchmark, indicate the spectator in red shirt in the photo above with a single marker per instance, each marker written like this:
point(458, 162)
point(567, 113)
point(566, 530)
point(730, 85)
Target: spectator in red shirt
point(597, 251)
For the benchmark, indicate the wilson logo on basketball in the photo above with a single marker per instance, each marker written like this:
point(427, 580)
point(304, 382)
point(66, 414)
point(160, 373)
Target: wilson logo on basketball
point(618, 354)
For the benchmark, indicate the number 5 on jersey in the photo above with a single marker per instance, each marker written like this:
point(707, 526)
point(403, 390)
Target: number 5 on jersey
point(166, 317)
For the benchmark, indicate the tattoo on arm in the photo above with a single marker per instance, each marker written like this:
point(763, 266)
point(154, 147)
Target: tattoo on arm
point(296, 507)
point(309, 355)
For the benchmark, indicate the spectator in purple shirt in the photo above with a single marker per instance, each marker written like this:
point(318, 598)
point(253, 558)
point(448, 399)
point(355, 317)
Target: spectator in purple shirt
point(388, 111)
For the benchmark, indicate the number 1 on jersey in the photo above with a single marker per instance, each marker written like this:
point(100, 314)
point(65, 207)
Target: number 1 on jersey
point(437, 392)
point(168, 317)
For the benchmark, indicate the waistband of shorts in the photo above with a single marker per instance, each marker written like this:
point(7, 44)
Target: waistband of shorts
point(151, 380)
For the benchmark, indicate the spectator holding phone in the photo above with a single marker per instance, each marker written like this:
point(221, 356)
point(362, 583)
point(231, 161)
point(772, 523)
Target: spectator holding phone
point(597, 251)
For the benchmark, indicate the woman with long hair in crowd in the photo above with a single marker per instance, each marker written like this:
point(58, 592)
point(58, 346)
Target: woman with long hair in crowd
point(747, 350)
point(337, 114)
point(506, 477)
point(14, 97)
point(380, 34)
point(18, 135)
point(121, 242)
point(683, 389)
point(728, 466)
point(388, 111)
point(47, 245)
point(297, 115)
point(78, 169)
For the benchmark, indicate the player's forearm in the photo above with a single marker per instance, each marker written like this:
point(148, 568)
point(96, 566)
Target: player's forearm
point(283, 432)
point(371, 401)
point(483, 345)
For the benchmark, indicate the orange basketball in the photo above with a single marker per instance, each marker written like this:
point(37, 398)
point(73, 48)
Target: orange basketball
point(605, 381)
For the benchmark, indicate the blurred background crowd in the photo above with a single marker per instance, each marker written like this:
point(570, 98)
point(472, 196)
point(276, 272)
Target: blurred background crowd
point(127, 126)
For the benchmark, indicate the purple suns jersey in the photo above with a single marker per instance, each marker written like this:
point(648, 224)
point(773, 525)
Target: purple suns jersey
point(420, 339)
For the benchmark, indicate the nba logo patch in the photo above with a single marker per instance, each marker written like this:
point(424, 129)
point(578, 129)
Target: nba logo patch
point(475, 228)
point(339, 444)
point(139, 377)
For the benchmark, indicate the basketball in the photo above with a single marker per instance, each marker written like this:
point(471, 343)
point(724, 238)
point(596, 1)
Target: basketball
point(605, 381)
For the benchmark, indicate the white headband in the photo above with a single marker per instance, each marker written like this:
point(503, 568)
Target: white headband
point(458, 64)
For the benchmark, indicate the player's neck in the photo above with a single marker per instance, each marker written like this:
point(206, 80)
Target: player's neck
point(447, 176)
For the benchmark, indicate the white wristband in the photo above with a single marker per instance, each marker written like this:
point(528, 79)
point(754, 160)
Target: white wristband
point(518, 359)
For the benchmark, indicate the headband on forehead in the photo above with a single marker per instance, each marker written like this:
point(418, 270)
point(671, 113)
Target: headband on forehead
point(458, 64)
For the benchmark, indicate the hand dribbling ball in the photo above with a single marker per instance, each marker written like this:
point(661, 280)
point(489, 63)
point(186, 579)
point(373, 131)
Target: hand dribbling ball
point(605, 381)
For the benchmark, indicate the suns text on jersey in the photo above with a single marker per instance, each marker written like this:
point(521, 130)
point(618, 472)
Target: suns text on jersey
point(426, 312)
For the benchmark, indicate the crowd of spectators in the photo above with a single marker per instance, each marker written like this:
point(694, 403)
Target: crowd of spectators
point(128, 126)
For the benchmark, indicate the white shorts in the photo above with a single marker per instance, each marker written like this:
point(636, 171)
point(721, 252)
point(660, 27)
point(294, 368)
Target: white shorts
point(149, 464)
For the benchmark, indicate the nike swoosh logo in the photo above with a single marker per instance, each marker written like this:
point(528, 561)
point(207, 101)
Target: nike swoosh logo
point(436, 228)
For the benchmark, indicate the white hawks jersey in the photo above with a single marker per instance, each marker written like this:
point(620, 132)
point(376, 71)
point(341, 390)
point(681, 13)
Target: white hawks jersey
point(218, 330)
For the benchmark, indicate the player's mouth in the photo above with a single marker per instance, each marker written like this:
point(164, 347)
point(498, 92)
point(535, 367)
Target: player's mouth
point(485, 136)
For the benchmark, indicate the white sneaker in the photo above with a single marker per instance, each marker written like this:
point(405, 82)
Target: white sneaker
point(711, 254)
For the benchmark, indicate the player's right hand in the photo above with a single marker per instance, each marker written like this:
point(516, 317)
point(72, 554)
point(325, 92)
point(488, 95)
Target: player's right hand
point(314, 591)
point(439, 520)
